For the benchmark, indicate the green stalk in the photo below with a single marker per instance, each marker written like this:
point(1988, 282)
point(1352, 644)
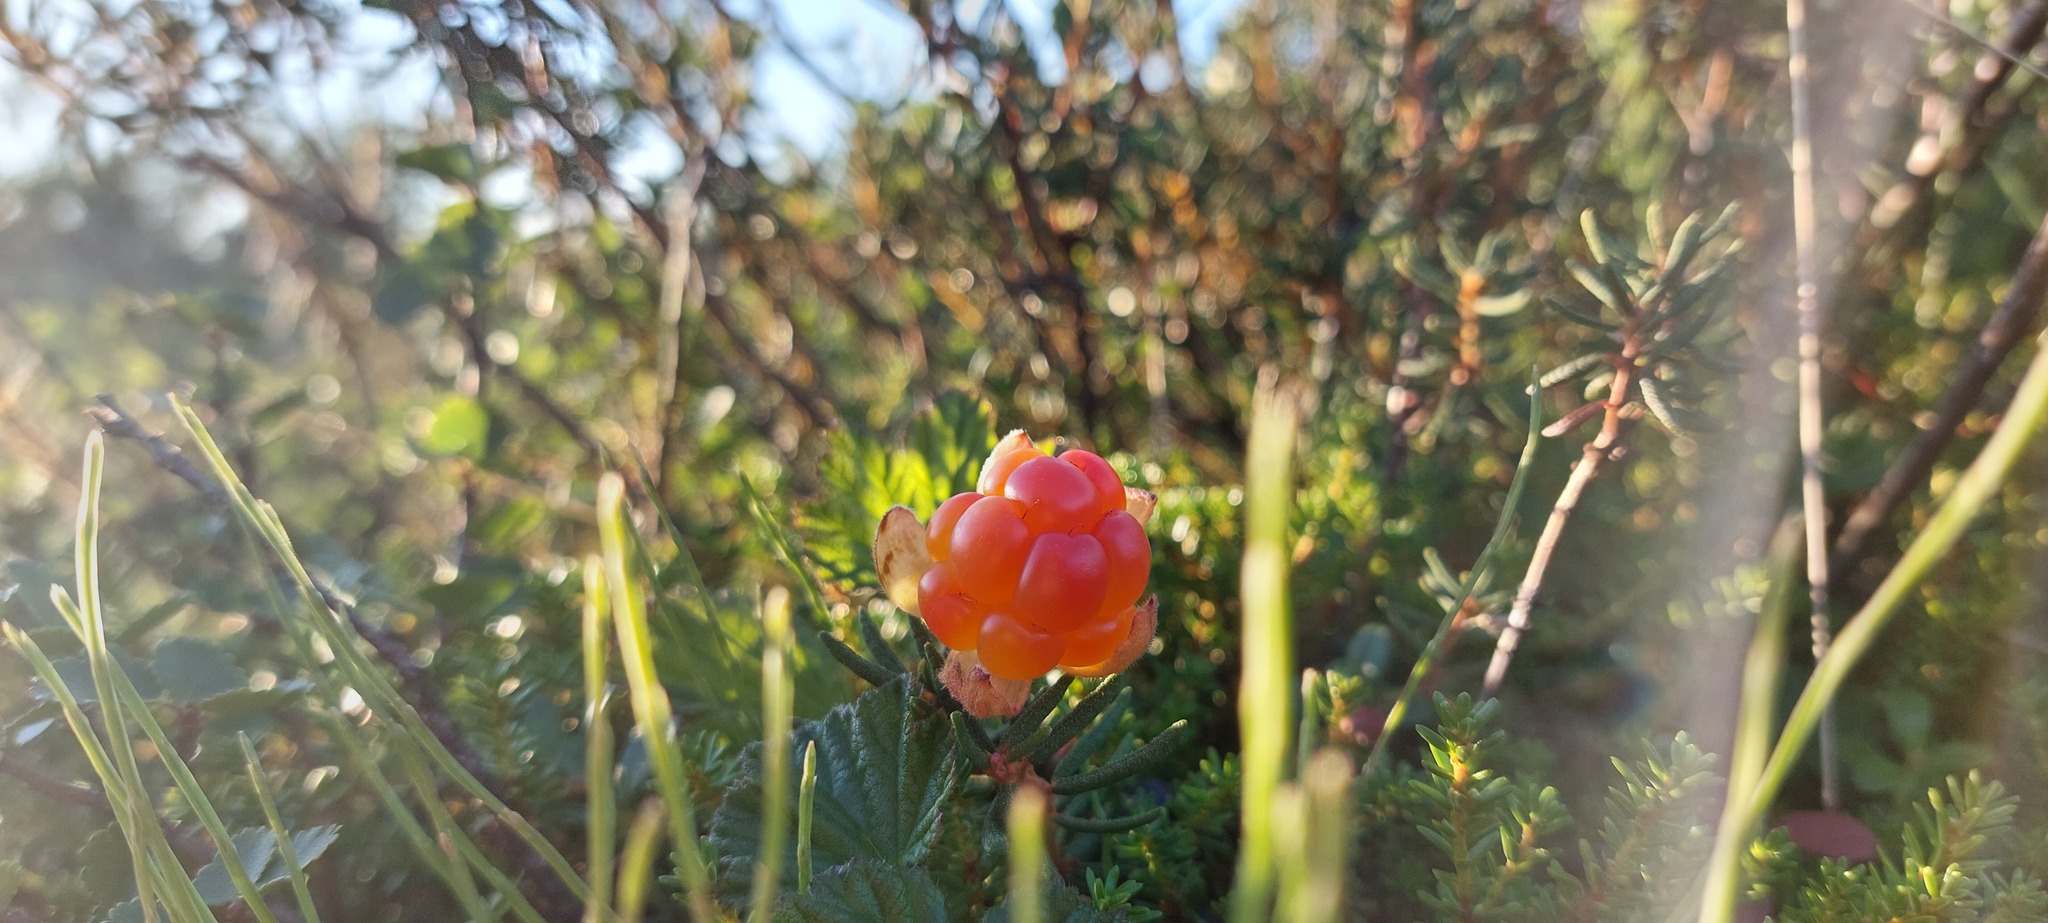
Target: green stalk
point(301, 890)
point(1754, 722)
point(806, 800)
point(777, 697)
point(636, 862)
point(2023, 421)
point(368, 680)
point(785, 547)
point(1026, 824)
point(455, 874)
point(1311, 728)
point(90, 625)
point(1265, 699)
point(454, 836)
point(195, 797)
point(600, 806)
point(1398, 712)
point(157, 870)
point(650, 700)
point(1326, 781)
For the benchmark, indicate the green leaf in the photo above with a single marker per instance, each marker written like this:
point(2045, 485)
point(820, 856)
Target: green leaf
point(862, 477)
point(1502, 305)
point(256, 846)
point(405, 291)
point(10, 881)
point(455, 163)
point(886, 768)
point(866, 891)
point(1062, 904)
point(459, 427)
point(193, 670)
point(77, 676)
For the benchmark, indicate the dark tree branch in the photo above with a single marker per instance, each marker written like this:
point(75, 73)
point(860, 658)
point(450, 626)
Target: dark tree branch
point(2015, 315)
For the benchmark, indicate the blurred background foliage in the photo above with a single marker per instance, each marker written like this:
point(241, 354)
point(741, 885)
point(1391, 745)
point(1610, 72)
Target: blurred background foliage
point(428, 268)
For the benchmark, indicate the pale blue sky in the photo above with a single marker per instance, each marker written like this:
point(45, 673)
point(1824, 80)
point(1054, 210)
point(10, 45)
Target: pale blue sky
point(867, 48)
point(882, 48)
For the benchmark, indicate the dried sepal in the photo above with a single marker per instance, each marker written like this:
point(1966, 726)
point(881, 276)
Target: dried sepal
point(1144, 624)
point(983, 695)
point(1140, 504)
point(901, 557)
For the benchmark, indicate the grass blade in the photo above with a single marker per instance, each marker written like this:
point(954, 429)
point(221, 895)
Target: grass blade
point(1265, 693)
point(650, 701)
point(777, 697)
point(599, 761)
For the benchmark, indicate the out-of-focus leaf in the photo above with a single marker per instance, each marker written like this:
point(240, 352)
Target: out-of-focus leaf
point(459, 428)
point(455, 163)
point(192, 670)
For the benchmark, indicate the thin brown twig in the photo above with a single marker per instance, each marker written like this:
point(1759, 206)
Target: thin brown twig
point(2016, 314)
point(1600, 449)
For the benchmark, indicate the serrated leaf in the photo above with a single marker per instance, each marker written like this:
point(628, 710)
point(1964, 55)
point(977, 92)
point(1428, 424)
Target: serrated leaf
point(255, 846)
point(885, 772)
point(76, 674)
point(194, 670)
point(866, 891)
point(1061, 904)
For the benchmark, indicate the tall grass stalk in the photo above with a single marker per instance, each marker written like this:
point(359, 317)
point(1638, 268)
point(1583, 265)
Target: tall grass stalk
point(1266, 691)
point(158, 873)
point(1812, 416)
point(367, 679)
point(1754, 720)
point(89, 622)
point(601, 808)
point(1026, 823)
point(806, 801)
point(650, 701)
point(295, 869)
point(2023, 422)
point(777, 695)
point(636, 861)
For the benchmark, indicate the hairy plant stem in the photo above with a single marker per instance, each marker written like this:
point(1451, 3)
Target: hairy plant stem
point(1613, 425)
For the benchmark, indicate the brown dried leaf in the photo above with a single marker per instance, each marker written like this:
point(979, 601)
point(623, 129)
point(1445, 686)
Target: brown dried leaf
point(901, 557)
point(981, 694)
point(1140, 503)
